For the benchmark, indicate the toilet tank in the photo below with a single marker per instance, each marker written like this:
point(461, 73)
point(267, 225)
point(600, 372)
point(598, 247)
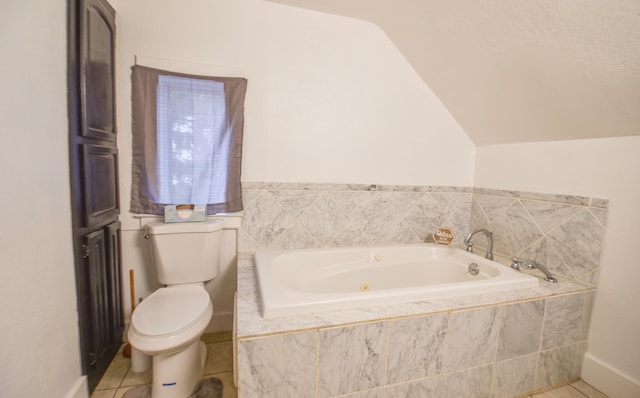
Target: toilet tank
point(185, 252)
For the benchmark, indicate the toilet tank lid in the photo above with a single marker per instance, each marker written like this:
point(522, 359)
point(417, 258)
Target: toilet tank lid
point(159, 227)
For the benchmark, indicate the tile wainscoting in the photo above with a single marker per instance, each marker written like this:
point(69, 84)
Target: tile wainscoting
point(564, 232)
point(295, 216)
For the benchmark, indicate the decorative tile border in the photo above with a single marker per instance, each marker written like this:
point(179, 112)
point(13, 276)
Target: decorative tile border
point(294, 186)
point(566, 199)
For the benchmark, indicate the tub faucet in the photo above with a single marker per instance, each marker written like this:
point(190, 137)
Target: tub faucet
point(517, 263)
point(489, 235)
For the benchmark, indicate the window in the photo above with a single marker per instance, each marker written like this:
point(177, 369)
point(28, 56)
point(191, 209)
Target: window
point(187, 141)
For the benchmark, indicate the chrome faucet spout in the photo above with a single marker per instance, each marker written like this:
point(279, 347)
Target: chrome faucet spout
point(545, 271)
point(489, 235)
point(517, 263)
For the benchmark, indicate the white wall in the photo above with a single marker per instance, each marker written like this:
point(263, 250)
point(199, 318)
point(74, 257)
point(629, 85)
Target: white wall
point(608, 169)
point(39, 354)
point(329, 99)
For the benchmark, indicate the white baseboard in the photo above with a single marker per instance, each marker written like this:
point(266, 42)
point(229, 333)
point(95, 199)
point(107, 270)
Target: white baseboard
point(608, 379)
point(80, 389)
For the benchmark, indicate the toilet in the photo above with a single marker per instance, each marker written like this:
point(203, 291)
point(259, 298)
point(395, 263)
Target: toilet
point(168, 324)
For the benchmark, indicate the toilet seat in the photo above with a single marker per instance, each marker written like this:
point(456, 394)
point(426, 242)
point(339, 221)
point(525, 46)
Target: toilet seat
point(170, 309)
point(170, 318)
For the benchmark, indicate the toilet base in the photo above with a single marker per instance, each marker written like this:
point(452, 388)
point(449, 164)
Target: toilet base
point(140, 362)
point(176, 375)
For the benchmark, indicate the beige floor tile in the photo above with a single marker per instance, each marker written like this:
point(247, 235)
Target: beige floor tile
point(120, 392)
point(135, 379)
point(103, 393)
point(115, 373)
point(219, 358)
point(588, 390)
point(562, 392)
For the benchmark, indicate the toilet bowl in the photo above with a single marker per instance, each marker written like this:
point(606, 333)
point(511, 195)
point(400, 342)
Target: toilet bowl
point(168, 324)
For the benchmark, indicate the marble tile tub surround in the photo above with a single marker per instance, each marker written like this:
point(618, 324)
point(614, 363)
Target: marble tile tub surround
point(563, 232)
point(297, 216)
point(493, 345)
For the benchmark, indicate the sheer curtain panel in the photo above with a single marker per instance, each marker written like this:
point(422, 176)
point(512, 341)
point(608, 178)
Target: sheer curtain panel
point(187, 141)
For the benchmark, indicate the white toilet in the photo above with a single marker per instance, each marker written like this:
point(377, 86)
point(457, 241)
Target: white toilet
point(168, 324)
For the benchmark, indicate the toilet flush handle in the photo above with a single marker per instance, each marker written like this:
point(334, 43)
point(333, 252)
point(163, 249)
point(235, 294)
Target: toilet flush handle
point(146, 236)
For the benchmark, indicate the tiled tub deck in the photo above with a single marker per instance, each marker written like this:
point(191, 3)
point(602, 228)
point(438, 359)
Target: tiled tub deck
point(503, 344)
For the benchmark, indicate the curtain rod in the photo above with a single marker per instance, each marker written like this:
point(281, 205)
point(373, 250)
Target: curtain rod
point(191, 67)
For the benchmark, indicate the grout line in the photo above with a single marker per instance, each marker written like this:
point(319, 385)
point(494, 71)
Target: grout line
point(385, 376)
point(318, 348)
point(494, 370)
point(579, 392)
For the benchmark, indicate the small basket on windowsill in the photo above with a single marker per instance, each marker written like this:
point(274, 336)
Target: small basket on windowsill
point(185, 213)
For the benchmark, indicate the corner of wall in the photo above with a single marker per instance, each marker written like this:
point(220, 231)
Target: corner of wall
point(80, 388)
point(608, 379)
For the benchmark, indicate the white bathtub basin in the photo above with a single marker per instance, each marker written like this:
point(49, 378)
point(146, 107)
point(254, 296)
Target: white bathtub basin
point(295, 282)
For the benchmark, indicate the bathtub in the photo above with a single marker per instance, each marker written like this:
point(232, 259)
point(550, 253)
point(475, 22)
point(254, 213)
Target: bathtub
point(296, 282)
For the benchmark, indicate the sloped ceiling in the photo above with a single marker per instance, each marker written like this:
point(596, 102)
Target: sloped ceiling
point(514, 71)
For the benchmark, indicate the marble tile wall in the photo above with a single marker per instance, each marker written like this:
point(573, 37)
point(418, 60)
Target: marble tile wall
point(561, 231)
point(299, 216)
point(496, 351)
point(289, 360)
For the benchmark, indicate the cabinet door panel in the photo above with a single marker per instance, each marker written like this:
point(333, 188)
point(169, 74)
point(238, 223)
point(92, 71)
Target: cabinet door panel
point(96, 263)
point(98, 76)
point(114, 280)
point(100, 199)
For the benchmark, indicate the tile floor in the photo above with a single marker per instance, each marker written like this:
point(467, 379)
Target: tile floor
point(578, 389)
point(119, 378)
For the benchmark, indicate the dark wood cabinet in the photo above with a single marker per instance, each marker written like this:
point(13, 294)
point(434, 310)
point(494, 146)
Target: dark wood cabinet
point(94, 182)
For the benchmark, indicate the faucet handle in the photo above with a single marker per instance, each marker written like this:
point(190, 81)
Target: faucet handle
point(469, 246)
point(516, 263)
